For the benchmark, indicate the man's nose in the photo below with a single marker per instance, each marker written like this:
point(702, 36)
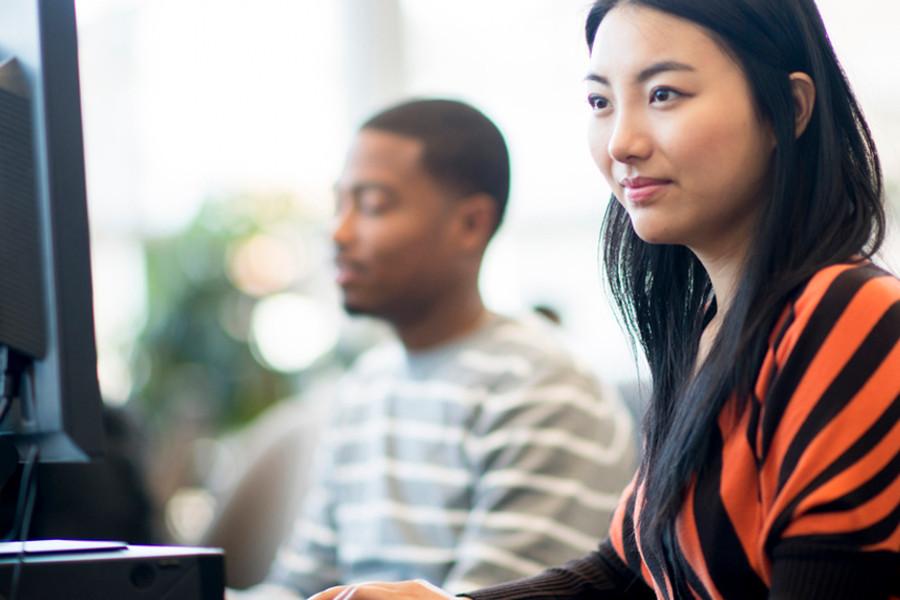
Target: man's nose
point(342, 230)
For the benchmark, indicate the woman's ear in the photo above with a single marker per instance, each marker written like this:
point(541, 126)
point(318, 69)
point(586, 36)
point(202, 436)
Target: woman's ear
point(803, 90)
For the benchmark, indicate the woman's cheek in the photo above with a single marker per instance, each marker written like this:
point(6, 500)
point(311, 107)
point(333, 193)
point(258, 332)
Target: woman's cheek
point(598, 142)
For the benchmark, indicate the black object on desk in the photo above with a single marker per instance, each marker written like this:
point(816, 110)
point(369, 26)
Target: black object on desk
point(76, 570)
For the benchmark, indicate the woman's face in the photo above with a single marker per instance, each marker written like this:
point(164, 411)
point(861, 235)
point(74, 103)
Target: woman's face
point(675, 131)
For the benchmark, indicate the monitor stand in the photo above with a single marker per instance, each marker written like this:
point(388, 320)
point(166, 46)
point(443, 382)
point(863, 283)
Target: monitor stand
point(9, 460)
point(91, 570)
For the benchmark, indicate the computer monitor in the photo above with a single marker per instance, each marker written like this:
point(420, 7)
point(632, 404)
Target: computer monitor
point(47, 350)
point(48, 357)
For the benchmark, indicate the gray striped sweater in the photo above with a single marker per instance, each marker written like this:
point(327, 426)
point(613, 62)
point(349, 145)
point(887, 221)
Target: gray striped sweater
point(484, 460)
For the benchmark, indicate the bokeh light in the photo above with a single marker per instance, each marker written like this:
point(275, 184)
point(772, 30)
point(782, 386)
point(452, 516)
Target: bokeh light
point(262, 265)
point(290, 332)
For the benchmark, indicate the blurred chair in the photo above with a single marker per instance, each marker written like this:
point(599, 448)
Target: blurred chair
point(256, 512)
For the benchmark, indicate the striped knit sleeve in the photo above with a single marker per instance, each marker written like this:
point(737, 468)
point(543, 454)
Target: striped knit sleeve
point(828, 440)
point(601, 574)
point(550, 459)
point(307, 563)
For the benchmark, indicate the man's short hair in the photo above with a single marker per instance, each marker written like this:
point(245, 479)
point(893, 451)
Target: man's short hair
point(462, 149)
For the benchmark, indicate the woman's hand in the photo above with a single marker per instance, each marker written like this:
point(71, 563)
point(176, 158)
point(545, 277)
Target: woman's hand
point(404, 590)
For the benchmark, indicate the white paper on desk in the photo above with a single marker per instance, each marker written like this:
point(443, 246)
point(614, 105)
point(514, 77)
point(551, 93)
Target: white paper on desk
point(56, 546)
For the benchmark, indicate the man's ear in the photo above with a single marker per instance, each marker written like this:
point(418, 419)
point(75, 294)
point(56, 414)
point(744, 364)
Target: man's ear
point(476, 217)
point(803, 89)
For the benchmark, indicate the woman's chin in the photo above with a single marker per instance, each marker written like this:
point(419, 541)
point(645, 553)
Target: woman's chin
point(654, 235)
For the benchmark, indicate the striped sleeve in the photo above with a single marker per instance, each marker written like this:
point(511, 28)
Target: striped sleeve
point(549, 460)
point(601, 574)
point(829, 439)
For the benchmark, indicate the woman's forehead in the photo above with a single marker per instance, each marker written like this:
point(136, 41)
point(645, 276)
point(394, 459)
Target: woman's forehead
point(632, 37)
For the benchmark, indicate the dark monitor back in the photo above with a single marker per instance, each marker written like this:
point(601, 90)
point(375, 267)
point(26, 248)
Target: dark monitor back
point(46, 305)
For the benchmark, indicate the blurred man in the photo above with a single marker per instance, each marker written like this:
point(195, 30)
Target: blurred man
point(473, 450)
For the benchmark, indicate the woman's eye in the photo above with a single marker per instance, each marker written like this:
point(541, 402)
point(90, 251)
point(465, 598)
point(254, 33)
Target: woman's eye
point(597, 102)
point(663, 95)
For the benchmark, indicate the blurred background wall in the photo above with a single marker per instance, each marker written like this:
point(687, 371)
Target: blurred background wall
point(215, 129)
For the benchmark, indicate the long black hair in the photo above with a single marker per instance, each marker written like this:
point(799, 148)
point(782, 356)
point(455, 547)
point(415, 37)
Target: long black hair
point(826, 207)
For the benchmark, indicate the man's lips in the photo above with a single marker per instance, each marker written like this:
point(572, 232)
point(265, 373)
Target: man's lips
point(347, 271)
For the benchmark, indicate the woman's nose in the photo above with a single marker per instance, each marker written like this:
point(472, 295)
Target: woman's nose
point(629, 141)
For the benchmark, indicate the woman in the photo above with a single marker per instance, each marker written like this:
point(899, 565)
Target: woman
point(747, 202)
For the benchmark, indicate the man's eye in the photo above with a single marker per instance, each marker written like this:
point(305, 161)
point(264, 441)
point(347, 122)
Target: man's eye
point(372, 202)
point(340, 202)
point(371, 208)
point(597, 102)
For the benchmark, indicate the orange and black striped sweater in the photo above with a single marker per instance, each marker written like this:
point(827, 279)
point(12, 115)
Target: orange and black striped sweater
point(802, 499)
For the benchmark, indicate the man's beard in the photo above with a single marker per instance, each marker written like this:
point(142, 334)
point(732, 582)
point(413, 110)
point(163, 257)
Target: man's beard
point(355, 311)
point(360, 310)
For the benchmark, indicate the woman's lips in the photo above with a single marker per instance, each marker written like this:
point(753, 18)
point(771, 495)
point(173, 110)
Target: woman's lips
point(639, 190)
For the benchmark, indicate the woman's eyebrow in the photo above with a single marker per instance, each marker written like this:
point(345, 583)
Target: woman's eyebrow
point(648, 72)
point(662, 67)
point(597, 78)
